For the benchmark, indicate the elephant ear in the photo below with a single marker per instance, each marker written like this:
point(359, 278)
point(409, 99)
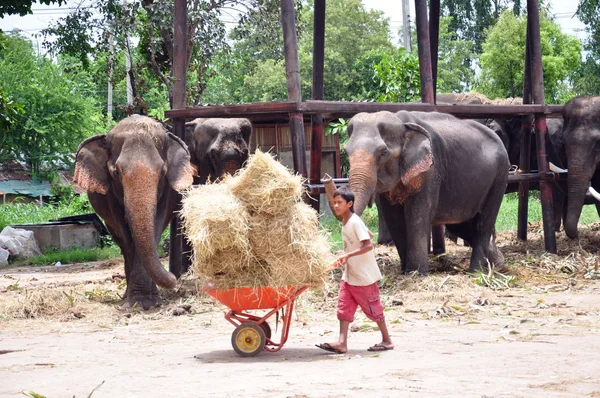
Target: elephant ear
point(91, 169)
point(417, 158)
point(246, 129)
point(180, 172)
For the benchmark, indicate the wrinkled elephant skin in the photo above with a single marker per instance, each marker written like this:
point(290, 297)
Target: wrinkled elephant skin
point(429, 168)
point(582, 142)
point(217, 146)
point(132, 177)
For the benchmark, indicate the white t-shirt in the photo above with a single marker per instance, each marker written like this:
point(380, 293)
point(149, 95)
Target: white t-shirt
point(361, 270)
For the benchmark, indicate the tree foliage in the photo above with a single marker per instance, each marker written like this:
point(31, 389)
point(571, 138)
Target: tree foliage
point(471, 18)
point(502, 62)
point(57, 110)
point(398, 76)
point(454, 74)
point(589, 73)
point(23, 7)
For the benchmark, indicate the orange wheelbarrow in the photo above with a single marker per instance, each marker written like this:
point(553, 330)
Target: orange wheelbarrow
point(252, 333)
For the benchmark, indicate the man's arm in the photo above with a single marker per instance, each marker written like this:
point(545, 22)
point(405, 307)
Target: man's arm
point(365, 247)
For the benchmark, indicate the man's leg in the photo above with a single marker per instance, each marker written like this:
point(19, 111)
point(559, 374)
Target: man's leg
point(347, 306)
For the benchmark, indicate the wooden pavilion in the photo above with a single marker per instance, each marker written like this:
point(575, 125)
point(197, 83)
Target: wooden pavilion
point(427, 20)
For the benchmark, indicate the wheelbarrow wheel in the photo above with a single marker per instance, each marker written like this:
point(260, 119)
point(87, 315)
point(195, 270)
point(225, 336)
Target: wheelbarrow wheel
point(266, 328)
point(248, 339)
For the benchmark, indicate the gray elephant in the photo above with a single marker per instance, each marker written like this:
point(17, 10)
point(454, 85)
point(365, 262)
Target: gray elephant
point(217, 146)
point(132, 177)
point(582, 142)
point(429, 168)
point(509, 131)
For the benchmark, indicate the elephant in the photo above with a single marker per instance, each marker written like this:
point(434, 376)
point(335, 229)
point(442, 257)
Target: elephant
point(429, 168)
point(133, 176)
point(509, 131)
point(217, 146)
point(582, 144)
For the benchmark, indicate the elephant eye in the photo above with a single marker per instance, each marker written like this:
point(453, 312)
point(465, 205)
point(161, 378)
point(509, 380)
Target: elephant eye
point(114, 171)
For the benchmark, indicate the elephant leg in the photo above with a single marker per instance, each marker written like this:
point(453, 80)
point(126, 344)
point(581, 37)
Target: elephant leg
point(462, 230)
point(418, 222)
point(483, 225)
point(394, 218)
point(141, 289)
point(384, 237)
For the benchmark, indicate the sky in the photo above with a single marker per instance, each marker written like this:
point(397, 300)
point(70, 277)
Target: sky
point(43, 15)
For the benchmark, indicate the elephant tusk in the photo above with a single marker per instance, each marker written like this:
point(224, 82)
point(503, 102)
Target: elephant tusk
point(557, 169)
point(594, 193)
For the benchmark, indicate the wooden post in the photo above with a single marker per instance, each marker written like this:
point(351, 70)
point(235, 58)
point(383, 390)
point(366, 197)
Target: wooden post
point(427, 93)
point(524, 156)
point(176, 261)
point(318, 92)
point(434, 36)
point(537, 91)
point(288, 21)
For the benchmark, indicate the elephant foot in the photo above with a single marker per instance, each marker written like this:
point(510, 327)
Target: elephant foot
point(144, 301)
point(423, 270)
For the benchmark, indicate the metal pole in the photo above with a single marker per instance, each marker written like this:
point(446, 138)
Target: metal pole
point(318, 92)
point(434, 29)
point(537, 91)
point(406, 25)
point(288, 21)
point(176, 260)
point(427, 94)
point(524, 156)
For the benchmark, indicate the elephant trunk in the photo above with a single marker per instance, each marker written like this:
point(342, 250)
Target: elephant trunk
point(363, 179)
point(140, 196)
point(578, 183)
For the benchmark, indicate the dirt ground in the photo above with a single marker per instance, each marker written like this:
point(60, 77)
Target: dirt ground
point(63, 333)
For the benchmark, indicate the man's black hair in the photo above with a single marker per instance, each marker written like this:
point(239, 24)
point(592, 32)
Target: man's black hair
point(347, 194)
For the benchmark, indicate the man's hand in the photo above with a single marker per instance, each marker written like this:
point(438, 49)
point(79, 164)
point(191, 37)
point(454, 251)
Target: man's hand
point(343, 259)
point(326, 178)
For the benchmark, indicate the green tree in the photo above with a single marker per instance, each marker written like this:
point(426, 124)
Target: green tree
point(350, 32)
point(58, 111)
point(85, 32)
point(588, 81)
point(23, 7)
point(502, 62)
point(454, 74)
point(255, 71)
point(398, 76)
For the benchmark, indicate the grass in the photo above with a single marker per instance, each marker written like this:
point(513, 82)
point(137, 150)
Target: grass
point(28, 213)
point(507, 218)
point(69, 257)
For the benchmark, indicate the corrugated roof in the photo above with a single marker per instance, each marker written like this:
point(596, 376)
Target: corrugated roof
point(29, 188)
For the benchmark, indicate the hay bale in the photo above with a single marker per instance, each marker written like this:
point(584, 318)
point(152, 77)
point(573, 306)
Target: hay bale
point(293, 245)
point(266, 186)
point(232, 268)
point(214, 220)
point(253, 230)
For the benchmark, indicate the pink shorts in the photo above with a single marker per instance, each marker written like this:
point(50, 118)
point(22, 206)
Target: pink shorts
point(367, 297)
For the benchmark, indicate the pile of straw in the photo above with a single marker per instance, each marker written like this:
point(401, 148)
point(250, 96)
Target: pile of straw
point(265, 186)
point(253, 229)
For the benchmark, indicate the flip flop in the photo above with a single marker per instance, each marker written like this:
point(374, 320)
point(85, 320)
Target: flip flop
point(327, 347)
point(378, 347)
